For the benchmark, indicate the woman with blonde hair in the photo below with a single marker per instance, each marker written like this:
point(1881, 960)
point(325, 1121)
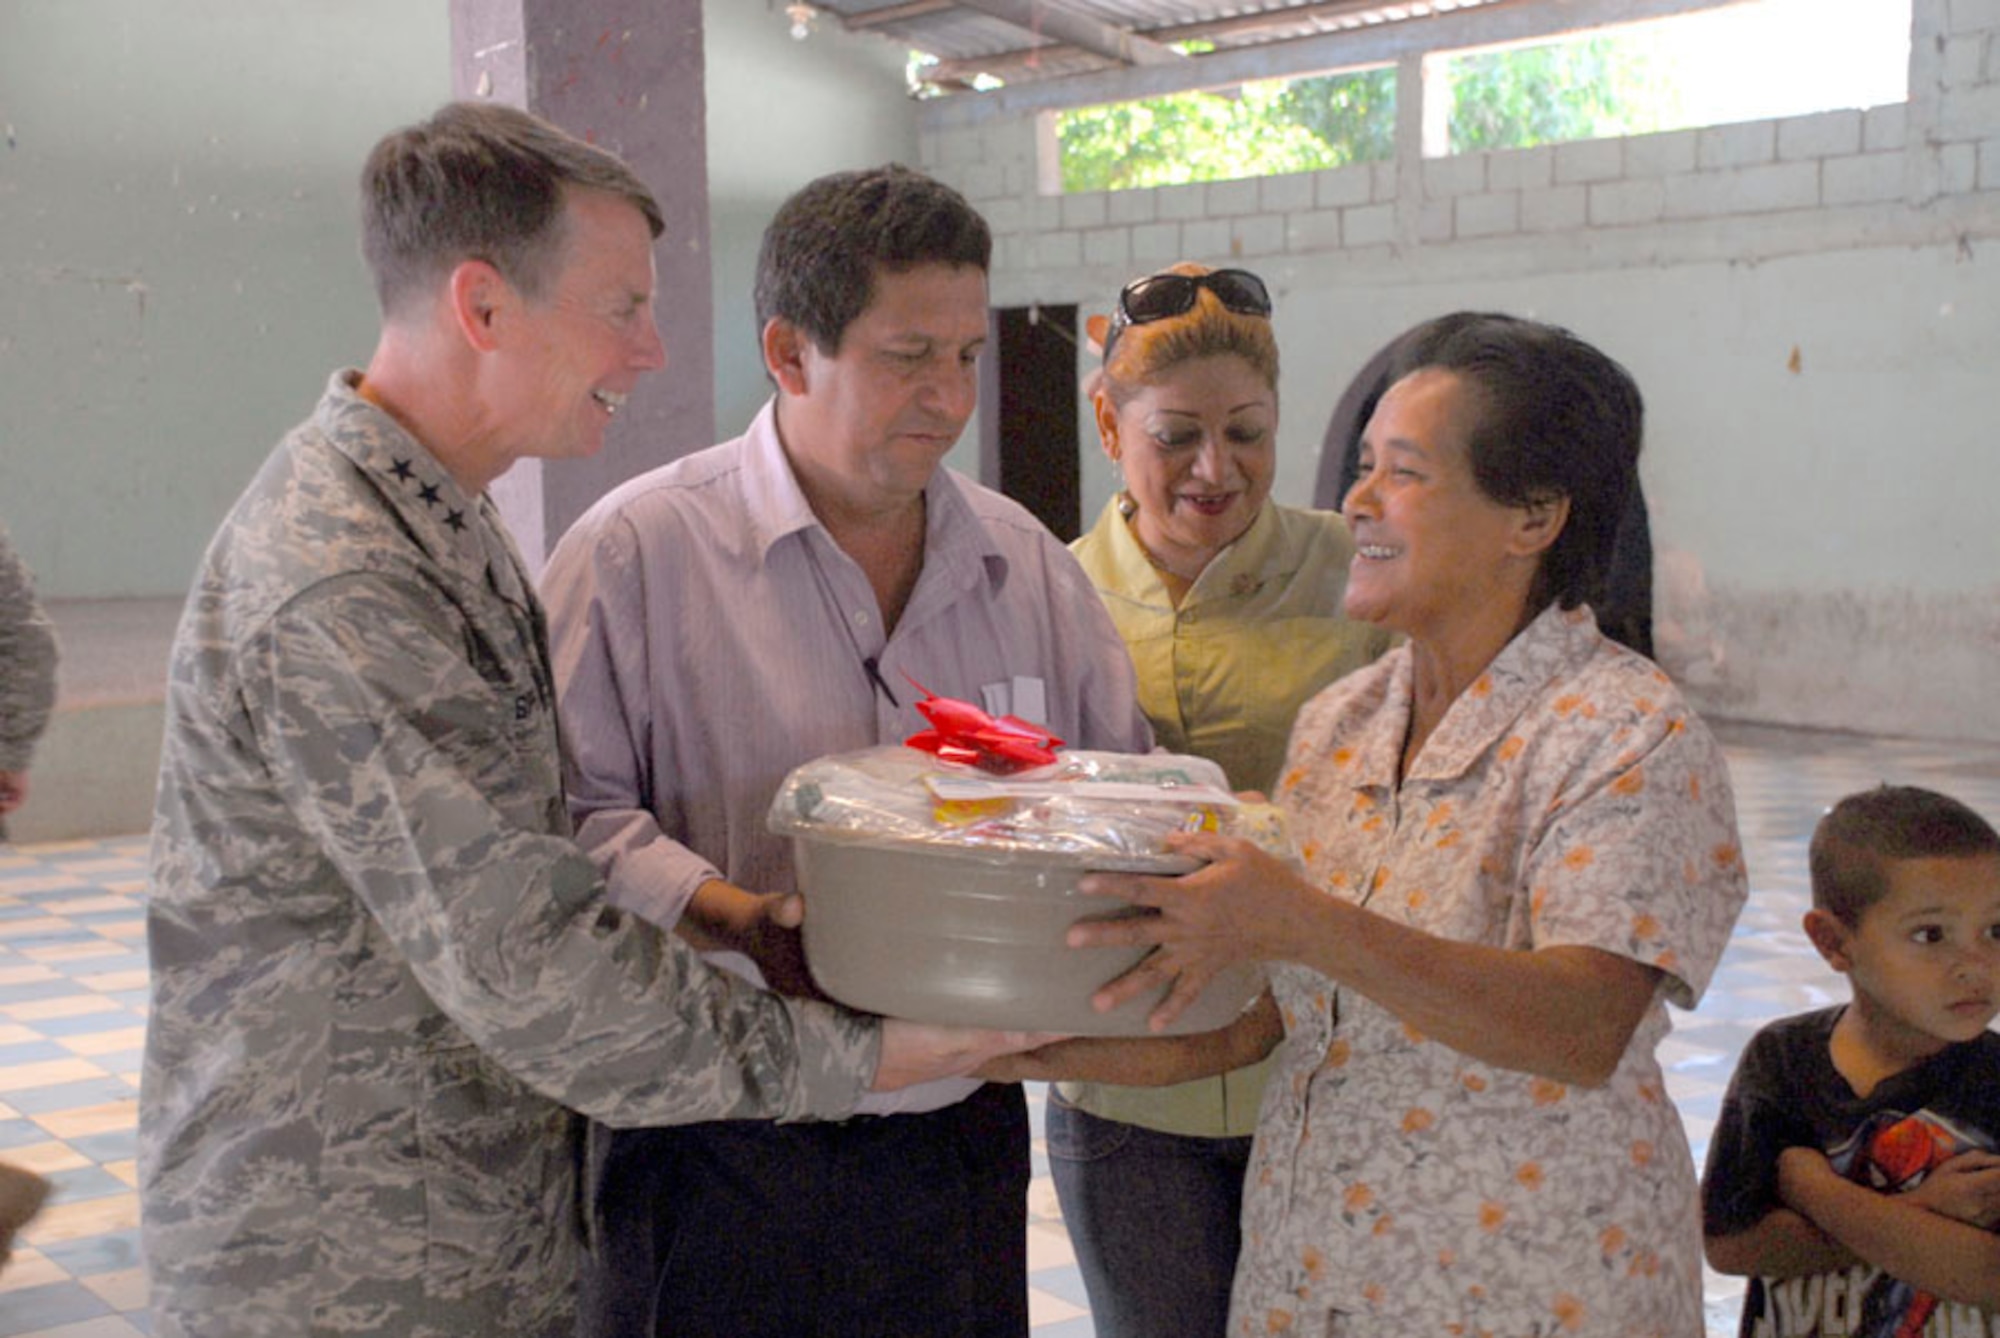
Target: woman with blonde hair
point(1231, 606)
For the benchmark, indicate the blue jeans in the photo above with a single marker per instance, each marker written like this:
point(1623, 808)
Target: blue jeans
point(1154, 1221)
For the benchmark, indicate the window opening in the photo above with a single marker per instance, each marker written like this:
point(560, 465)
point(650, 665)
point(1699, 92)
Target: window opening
point(1754, 60)
point(1750, 62)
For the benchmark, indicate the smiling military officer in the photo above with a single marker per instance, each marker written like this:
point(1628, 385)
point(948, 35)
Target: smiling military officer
point(385, 981)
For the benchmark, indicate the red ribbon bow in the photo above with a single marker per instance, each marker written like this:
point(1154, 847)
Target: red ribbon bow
point(961, 732)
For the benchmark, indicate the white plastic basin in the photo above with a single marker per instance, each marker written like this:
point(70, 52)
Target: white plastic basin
point(952, 936)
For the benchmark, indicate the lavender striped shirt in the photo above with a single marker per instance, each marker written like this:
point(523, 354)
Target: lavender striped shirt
point(709, 636)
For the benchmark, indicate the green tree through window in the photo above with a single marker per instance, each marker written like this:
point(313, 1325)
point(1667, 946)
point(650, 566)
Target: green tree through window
point(1752, 60)
point(1262, 129)
point(1594, 89)
point(1500, 99)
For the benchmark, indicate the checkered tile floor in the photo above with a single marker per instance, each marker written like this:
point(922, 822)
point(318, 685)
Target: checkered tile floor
point(73, 1006)
point(72, 1025)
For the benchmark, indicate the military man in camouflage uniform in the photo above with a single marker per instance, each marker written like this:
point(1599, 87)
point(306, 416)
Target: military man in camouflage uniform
point(27, 697)
point(385, 982)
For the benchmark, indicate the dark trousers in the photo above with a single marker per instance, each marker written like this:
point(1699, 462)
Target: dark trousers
point(1153, 1218)
point(874, 1228)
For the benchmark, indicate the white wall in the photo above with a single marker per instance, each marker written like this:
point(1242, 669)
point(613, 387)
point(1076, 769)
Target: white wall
point(1826, 549)
point(781, 113)
point(180, 267)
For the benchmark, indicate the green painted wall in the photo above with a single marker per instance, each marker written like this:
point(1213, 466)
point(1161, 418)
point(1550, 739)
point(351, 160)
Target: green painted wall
point(780, 113)
point(179, 268)
point(179, 264)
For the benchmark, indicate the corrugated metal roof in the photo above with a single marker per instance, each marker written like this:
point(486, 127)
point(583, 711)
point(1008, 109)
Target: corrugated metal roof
point(1015, 41)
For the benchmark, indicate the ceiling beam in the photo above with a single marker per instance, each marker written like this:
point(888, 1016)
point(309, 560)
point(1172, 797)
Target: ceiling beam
point(1243, 26)
point(1271, 20)
point(1062, 24)
point(875, 18)
point(1493, 24)
point(1001, 65)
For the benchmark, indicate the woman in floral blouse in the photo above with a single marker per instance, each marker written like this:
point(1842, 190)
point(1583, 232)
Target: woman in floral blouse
point(1518, 845)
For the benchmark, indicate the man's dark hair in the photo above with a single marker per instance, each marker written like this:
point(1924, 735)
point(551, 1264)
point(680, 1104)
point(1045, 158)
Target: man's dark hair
point(1555, 418)
point(1861, 835)
point(819, 258)
point(479, 181)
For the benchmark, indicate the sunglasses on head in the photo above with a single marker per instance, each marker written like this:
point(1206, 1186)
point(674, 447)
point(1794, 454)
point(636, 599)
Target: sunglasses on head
point(1159, 297)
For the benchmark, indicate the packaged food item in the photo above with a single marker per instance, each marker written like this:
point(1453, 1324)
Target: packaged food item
point(1110, 810)
point(943, 892)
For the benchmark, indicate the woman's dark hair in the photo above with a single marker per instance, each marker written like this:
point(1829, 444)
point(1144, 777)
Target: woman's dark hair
point(817, 265)
point(1554, 418)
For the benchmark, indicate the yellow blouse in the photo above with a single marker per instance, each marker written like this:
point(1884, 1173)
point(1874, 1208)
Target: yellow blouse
point(1259, 633)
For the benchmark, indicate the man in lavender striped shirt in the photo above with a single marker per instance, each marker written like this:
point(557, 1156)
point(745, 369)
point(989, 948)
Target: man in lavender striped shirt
point(722, 619)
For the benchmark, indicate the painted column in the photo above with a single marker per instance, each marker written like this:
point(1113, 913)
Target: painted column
point(627, 75)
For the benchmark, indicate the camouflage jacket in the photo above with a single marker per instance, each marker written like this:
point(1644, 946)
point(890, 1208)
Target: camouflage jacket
point(384, 980)
point(27, 663)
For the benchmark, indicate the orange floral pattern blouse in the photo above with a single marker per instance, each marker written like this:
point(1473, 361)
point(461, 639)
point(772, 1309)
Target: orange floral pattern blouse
point(1400, 1188)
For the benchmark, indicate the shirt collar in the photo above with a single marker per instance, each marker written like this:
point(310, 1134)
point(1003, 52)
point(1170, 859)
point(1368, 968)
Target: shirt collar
point(1236, 566)
point(955, 540)
point(1131, 573)
point(772, 498)
point(1556, 644)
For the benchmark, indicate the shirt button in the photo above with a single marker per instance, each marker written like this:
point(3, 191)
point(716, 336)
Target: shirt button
point(860, 618)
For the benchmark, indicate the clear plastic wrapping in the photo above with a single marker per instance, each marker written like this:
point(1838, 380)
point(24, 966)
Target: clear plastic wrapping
point(1104, 810)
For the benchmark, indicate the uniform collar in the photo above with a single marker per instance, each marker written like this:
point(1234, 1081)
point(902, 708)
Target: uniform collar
point(464, 534)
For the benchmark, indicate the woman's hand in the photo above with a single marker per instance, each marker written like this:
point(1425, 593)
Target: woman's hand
point(1565, 1012)
point(1242, 905)
point(1149, 1061)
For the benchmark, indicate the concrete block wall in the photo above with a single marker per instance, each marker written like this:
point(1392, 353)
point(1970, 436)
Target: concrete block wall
point(1815, 165)
point(1802, 299)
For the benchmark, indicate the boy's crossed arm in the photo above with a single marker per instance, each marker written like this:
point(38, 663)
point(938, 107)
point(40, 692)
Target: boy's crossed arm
point(1937, 1237)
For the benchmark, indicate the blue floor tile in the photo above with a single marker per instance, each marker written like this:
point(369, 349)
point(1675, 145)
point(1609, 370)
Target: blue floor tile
point(116, 1145)
point(1079, 1327)
point(70, 1095)
point(1066, 1282)
point(111, 1252)
point(34, 991)
point(20, 1133)
point(86, 1182)
point(89, 1024)
point(33, 1308)
point(93, 966)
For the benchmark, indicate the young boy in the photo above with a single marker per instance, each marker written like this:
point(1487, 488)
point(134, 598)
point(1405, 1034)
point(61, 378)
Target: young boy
point(1852, 1175)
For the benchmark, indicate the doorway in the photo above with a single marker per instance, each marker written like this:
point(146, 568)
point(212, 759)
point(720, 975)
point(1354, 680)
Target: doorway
point(1028, 414)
